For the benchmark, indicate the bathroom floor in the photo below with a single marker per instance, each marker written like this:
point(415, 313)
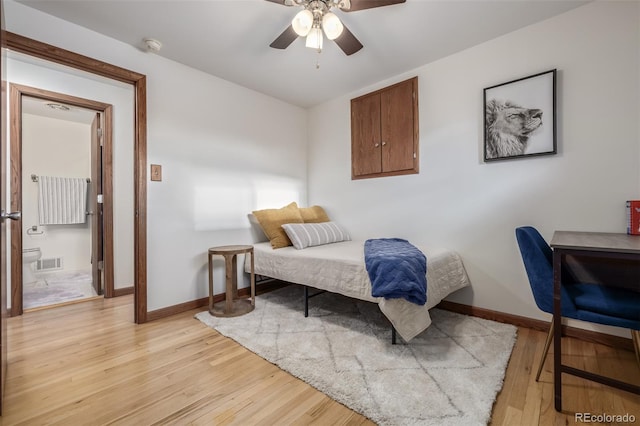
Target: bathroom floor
point(57, 287)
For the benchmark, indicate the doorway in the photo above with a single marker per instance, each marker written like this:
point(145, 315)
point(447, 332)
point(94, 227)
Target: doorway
point(25, 45)
point(96, 189)
point(55, 55)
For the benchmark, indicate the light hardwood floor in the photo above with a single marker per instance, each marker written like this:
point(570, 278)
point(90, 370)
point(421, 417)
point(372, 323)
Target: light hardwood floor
point(87, 363)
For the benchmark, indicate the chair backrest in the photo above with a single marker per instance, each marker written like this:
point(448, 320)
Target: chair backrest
point(537, 257)
point(598, 304)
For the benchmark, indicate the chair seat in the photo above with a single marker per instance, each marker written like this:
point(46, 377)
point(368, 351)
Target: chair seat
point(606, 305)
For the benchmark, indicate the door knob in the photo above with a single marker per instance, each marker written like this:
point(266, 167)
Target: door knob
point(13, 215)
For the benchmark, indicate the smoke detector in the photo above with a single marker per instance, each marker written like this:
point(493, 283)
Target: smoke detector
point(152, 45)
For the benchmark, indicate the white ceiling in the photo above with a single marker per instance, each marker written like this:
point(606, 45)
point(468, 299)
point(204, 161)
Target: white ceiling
point(230, 38)
point(40, 107)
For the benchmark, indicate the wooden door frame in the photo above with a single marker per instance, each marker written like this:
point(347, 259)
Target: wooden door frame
point(96, 214)
point(16, 93)
point(55, 54)
point(4, 185)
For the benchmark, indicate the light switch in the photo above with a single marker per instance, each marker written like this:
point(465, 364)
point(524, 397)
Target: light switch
point(156, 172)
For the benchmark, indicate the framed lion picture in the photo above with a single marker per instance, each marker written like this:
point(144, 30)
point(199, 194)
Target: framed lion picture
point(520, 117)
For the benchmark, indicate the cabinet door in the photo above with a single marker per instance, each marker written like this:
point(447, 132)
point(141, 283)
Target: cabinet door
point(397, 127)
point(384, 132)
point(365, 136)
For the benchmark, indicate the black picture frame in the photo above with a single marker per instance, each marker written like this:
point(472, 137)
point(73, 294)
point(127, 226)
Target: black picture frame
point(520, 118)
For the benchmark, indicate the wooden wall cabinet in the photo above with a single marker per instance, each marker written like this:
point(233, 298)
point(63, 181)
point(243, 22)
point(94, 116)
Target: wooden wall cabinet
point(384, 132)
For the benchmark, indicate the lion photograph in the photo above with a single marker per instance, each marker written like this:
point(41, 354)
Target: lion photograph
point(508, 128)
point(520, 117)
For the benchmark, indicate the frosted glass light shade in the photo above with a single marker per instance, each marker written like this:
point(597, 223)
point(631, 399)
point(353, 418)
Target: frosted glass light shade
point(302, 22)
point(332, 25)
point(314, 38)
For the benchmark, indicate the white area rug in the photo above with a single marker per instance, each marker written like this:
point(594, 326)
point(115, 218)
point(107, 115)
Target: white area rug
point(57, 287)
point(448, 375)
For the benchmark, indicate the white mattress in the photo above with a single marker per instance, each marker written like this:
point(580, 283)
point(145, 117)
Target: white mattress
point(340, 268)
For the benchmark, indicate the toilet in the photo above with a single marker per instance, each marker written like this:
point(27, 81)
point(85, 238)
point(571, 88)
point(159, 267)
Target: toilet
point(29, 257)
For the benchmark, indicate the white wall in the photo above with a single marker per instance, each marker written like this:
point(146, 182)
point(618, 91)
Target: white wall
point(457, 201)
point(225, 150)
point(53, 147)
point(47, 76)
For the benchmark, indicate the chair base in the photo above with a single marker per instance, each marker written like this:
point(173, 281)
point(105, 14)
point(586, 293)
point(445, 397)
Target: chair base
point(635, 336)
point(547, 344)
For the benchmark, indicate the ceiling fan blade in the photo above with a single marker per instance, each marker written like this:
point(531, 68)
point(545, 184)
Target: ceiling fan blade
point(285, 39)
point(282, 2)
point(369, 4)
point(348, 42)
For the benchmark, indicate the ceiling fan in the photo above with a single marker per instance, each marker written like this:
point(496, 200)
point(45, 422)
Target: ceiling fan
point(316, 17)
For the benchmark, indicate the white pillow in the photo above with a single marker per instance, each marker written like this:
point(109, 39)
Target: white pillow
point(304, 235)
point(257, 234)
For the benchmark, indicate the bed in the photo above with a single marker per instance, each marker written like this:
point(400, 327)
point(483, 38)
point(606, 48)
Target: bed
point(340, 268)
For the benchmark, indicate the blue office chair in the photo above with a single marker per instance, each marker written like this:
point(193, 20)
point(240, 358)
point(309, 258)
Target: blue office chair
point(581, 301)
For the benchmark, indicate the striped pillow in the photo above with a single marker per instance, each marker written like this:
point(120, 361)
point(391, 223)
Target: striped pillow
point(304, 235)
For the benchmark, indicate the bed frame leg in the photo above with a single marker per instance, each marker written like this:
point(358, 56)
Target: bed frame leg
point(393, 335)
point(306, 301)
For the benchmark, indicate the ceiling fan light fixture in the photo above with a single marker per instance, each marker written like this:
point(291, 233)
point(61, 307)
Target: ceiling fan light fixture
point(332, 25)
point(314, 39)
point(302, 22)
point(344, 4)
point(312, 16)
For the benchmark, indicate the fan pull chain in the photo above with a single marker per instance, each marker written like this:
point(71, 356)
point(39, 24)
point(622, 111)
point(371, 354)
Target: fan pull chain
point(318, 60)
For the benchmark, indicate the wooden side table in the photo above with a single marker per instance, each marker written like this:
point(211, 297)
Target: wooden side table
point(232, 306)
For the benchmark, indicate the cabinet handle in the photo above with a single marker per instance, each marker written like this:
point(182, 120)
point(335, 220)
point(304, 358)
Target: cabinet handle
point(384, 143)
point(376, 144)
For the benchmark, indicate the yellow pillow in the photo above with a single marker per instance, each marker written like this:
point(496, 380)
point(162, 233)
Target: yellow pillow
point(271, 221)
point(313, 214)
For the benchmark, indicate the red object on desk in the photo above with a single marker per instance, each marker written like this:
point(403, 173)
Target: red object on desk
point(633, 217)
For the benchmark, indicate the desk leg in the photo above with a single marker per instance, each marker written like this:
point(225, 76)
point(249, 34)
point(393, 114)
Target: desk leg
point(557, 329)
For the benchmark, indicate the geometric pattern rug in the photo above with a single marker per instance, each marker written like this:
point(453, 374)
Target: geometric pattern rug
point(448, 375)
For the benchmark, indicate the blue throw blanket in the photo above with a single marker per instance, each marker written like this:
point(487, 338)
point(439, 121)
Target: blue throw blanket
point(397, 269)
